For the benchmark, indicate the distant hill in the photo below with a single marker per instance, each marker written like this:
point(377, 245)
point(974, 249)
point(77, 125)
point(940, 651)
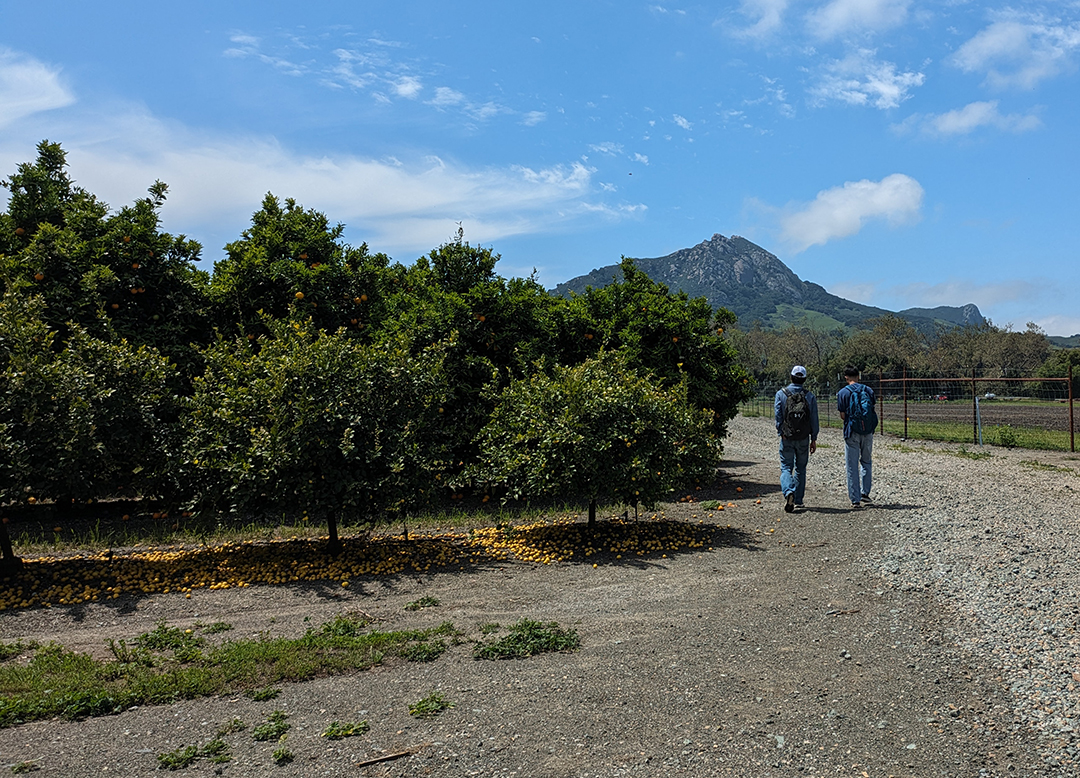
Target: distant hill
point(1061, 341)
point(746, 279)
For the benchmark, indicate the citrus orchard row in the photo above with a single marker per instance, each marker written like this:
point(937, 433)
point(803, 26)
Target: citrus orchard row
point(104, 575)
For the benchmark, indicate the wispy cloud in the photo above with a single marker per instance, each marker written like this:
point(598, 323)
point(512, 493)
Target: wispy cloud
point(28, 86)
point(637, 157)
point(682, 122)
point(970, 118)
point(768, 16)
point(862, 79)
point(609, 148)
point(533, 118)
point(842, 17)
point(1020, 52)
point(844, 210)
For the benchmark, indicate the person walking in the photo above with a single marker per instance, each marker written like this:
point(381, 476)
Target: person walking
point(855, 402)
point(796, 412)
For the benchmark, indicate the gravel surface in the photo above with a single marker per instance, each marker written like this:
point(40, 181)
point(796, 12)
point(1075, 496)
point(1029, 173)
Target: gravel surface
point(933, 634)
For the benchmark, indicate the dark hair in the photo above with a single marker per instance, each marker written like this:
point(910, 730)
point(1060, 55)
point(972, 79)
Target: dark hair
point(852, 372)
point(798, 379)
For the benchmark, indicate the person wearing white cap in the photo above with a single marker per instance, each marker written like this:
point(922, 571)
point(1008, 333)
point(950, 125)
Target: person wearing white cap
point(796, 412)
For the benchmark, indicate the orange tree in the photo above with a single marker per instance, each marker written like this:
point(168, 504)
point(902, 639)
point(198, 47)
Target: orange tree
point(58, 241)
point(303, 424)
point(597, 431)
point(292, 258)
point(84, 419)
point(499, 330)
point(671, 336)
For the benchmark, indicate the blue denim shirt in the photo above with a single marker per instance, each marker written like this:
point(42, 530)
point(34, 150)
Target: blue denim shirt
point(780, 404)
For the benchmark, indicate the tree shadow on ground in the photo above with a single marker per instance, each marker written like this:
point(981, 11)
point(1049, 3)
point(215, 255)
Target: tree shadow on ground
point(363, 565)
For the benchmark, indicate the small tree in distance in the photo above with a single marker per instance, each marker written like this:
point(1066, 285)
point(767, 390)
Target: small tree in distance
point(598, 431)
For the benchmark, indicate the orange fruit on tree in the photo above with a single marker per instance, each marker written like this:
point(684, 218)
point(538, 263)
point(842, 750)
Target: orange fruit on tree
point(115, 306)
point(363, 298)
point(127, 239)
point(20, 231)
point(299, 295)
point(135, 265)
point(39, 276)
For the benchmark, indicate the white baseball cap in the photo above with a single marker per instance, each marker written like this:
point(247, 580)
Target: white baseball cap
point(798, 371)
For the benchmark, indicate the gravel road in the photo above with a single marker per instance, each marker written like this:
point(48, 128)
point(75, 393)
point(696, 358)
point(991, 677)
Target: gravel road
point(934, 634)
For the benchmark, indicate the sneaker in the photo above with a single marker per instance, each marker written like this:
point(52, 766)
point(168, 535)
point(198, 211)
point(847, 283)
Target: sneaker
point(789, 503)
point(856, 505)
point(867, 498)
point(799, 506)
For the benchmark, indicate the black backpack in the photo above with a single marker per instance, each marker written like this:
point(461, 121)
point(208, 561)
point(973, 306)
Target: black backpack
point(796, 421)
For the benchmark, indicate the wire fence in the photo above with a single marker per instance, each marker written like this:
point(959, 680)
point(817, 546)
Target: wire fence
point(1024, 412)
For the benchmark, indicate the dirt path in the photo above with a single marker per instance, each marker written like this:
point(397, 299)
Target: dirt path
point(771, 654)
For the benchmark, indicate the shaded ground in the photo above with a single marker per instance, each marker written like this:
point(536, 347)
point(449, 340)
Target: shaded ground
point(773, 653)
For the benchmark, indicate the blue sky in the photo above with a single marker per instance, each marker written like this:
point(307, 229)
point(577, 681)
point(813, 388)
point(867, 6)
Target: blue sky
point(899, 153)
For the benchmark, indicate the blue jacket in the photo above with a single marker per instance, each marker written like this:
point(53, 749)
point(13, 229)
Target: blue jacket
point(780, 405)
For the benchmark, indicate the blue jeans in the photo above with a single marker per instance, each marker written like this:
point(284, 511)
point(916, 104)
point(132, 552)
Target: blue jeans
point(858, 448)
point(794, 455)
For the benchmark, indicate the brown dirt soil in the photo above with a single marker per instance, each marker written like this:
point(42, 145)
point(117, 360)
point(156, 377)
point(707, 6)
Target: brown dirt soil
point(769, 654)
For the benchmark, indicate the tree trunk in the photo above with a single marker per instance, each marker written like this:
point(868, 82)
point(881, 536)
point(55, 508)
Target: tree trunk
point(334, 546)
point(9, 563)
point(592, 513)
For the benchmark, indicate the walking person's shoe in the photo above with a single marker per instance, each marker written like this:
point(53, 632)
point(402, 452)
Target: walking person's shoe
point(867, 498)
point(856, 506)
point(789, 503)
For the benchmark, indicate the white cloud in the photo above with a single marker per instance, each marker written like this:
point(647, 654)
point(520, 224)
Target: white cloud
point(533, 118)
point(609, 148)
point(1064, 326)
point(973, 116)
point(408, 87)
point(444, 95)
point(28, 86)
point(844, 210)
point(861, 79)
point(679, 120)
point(840, 17)
point(644, 160)
point(1015, 53)
point(769, 15)
point(397, 204)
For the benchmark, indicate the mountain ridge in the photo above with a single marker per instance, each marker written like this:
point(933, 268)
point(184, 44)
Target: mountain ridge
point(734, 273)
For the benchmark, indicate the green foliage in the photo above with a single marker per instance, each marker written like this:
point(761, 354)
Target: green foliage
point(26, 766)
point(178, 759)
point(430, 707)
point(61, 683)
point(526, 638)
point(423, 602)
point(291, 262)
point(283, 756)
point(263, 695)
point(598, 431)
point(670, 336)
point(1004, 435)
point(308, 424)
point(338, 731)
point(79, 419)
point(12, 650)
point(274, 727)
point(424, 651)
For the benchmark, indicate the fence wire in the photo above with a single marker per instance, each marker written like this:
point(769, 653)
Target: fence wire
point(1036, 413)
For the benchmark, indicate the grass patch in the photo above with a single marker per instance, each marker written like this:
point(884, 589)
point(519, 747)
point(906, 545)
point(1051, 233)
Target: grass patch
point(178, 759)
point(710, 505)
point(526, 638)
point(1035, 464)
point(903, 449)
point(424, 651)
point(161, 669)
point(423, 602)
point(966, 454)
point(21, 768)
point(12, 650)
point(263, 695)
point(283, 756)
point(430, 707)
point(274, 728)
point(338, 731)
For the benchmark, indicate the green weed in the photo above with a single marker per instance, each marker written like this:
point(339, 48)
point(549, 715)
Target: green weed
point(424, 651)
point(283, 756)
point(430, 707)
point(274, 728)
point(526, 638)
point(1035, 464)
point(963, 452)
point(178, 759)
point(338, 731)
point(12, 650)
point(423, 602)
point(489, 628)
point(262, 695)
point(20, 768)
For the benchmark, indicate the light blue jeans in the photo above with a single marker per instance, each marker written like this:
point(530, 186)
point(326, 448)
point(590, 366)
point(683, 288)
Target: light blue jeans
point(858, 448)
point(794, 456)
